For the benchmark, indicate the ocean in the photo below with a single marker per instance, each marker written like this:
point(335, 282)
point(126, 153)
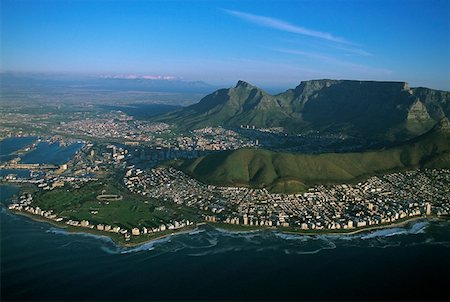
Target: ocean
point(45, 152)
point(51, 153)
point(11, 144)
point(41, 262)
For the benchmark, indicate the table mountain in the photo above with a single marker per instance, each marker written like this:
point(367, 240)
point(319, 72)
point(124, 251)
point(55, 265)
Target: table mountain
point(389, 110)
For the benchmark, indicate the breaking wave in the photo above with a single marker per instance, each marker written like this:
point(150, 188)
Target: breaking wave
point(59, 231)
point(206, 240)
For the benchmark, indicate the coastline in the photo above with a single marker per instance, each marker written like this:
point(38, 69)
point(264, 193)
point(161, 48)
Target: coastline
point(363, 229)
point(328, 232)
point(115, 237)
point(143, 239)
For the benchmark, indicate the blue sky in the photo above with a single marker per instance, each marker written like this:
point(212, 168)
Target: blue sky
point(268, 43)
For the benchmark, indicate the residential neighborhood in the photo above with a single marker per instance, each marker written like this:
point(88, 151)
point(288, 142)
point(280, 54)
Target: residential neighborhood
point(378, 200)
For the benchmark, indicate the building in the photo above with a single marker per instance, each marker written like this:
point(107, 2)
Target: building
point(116, 229)
point(57, 184)
point(245, 218)
point(428, 208)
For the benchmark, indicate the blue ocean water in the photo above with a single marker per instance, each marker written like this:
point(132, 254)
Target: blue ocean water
point(41, 262)
point(51, 153)
point(12, 144)
point(20, 173)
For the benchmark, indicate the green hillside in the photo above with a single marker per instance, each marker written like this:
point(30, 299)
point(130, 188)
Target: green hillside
point(390, 110)
point(286, 172)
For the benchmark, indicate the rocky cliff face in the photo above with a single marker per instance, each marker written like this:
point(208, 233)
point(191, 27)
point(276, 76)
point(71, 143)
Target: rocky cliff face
point(418, 112)
point(443, 125)
point(437, 102)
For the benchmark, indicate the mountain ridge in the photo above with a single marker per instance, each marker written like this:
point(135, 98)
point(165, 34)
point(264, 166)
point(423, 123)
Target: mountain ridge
point(368, 108)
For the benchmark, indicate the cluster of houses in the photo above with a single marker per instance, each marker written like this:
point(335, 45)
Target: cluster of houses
point(134, 231)
point(25, 204)
point(378, 200)
point(159, 135)
point(113, 126)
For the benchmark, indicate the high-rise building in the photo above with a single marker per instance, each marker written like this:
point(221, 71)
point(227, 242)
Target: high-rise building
point(428, 208)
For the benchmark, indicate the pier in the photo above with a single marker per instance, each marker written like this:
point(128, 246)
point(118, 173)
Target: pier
point(29, 166)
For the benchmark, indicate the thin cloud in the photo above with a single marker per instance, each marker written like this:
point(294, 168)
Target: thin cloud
point(285, 26)
point(354, 51)
point(346, 50)
point(334, 61)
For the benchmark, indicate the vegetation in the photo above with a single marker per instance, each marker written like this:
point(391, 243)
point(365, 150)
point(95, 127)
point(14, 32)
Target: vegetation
point(287, 172)
point(132, 211)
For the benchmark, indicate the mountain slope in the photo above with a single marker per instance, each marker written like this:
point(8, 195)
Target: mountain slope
point(243, 104)
point(367, 108)
point(287, 172)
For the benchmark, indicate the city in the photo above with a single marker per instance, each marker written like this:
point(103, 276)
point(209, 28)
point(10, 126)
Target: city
point(376, 201)
point(224, 150)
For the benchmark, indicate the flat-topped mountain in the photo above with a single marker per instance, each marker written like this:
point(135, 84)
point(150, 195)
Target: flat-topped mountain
point(370, 108)
point(287, 172)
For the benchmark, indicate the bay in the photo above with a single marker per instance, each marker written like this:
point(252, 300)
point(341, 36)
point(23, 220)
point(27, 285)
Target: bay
point(12, 144)
point(51, 153)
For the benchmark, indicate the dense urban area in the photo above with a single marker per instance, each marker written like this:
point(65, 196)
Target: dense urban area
point(378, 200)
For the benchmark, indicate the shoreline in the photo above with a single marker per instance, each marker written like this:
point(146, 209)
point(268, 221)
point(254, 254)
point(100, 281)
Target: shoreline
point(117, 238)
point(328, 232)
point(364, 229)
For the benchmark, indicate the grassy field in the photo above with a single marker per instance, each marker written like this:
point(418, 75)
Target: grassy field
point(132, 211)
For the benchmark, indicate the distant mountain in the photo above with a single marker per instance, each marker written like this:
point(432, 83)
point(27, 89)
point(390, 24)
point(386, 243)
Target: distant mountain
point(144, 83)
point(151, 85)
point(287, 172)
point(379, 109)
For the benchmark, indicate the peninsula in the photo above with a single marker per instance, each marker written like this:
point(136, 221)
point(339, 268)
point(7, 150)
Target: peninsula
point(240, 159)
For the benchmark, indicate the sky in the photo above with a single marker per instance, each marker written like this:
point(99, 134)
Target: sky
point(267, 43)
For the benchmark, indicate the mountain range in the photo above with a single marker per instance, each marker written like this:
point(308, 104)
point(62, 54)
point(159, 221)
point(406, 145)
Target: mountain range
point(381, 110)
point(120, 83)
